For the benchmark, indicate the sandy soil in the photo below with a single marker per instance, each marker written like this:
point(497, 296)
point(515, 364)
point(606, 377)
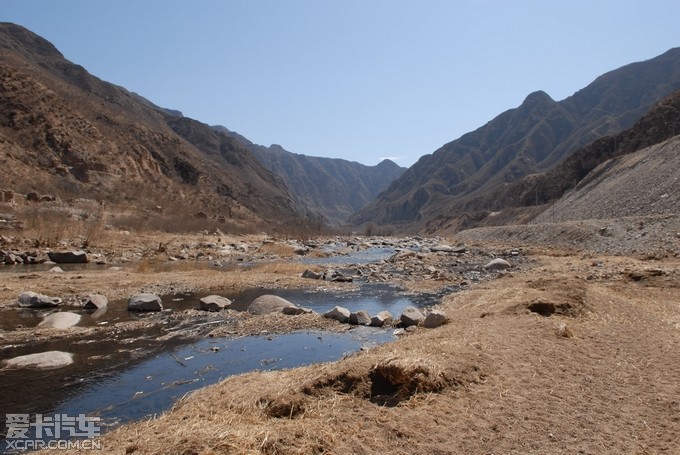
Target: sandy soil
point(577, 355)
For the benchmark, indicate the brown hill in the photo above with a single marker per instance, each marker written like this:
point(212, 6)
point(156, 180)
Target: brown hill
point(454, 182)
point(66, 132)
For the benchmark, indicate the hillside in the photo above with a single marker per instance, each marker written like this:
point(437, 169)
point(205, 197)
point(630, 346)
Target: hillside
point(328, 188)
point(67, 133)
point(525, 198)
point(454, 181)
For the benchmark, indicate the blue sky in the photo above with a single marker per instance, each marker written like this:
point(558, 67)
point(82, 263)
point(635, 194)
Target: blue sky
point(353, 79)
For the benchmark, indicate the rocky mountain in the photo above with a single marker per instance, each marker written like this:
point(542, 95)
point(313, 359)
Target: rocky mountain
point(329, 188)
point(454, 182)
point(68, 133)
point(527, 197)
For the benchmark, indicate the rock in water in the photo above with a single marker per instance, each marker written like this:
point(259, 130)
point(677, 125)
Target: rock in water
point(411, 316)
point(381, 319)
point(49, 359)
point(145, 302)
point(214, 303)
point(60, 320)
point(338, 313)
point(68, 257)
point(30, 299)
point(269, 304)
point(95, 302)
point(360, 318)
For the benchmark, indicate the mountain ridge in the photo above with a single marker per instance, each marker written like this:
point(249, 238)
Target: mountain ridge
point(329, 189)
point(530, 138)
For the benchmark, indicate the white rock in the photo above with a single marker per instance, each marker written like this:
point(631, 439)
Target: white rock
point(60, 320)
point(49, 359)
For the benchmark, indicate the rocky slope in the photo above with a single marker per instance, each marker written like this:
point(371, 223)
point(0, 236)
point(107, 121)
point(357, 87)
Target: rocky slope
point(68, 133)
point(456, 179)
point(327, 188)
point(525, 198)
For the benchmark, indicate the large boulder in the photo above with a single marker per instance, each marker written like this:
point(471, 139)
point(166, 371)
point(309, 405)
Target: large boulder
point(269, 304)
point(213, 303)
point(49, 359)
point(68, 257)
point(338, 313)
point(145, 302)
point(498, 264)
point(360, 318)
point(411, 316)
point(381, 319)
point(95, 302)
point(30, 299)
point(435, 319)
point(60, 320)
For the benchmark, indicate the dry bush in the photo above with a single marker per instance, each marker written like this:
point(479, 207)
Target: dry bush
point(278, 249)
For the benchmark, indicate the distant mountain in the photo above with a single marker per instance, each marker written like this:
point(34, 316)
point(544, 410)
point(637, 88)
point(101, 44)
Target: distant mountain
point(66, 132)
point(454, 182)
point(329, 188)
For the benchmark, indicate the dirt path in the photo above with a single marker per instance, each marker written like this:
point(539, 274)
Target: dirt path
point(600, 375)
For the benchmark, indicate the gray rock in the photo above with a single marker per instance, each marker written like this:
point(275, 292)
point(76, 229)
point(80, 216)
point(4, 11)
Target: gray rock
point(435, 319)
point(295, 310)
point(49, 359)
point(442, 249)
point(60, 320)
point(56, 269)
point(381, 319)
point(145, 302)
point(360, 318)
point(68, 257)
point(411, 316)
point(30, 299)
point(269, 304)
point(214, 303)
point(498, 264)
point(95, 302)
point(311, 275)
point(338, 313)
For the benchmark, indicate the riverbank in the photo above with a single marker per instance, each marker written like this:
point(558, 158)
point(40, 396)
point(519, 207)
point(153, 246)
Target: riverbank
point(576, 355)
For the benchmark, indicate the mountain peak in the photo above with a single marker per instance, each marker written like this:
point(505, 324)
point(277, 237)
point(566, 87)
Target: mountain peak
point(537, 97)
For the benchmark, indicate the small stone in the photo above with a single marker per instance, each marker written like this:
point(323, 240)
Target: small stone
point(56, 269)
point(295, 310)
point(311, 275)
